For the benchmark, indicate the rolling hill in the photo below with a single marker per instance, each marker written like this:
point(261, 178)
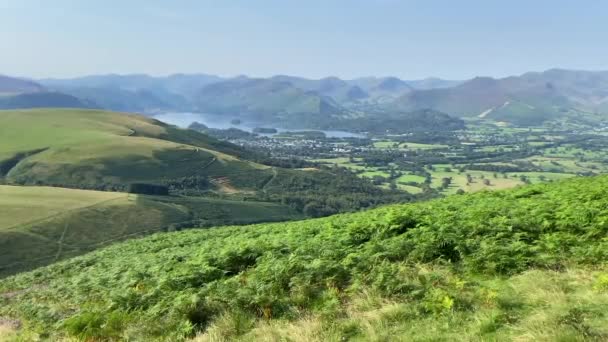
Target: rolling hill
point(17, 93)
point(530, 99)
point(521, 264)
point(268, 101)
point(100, 150)
point(188, 92)
point(339, 90)
point(41, 225)
point(180, 84)
point(12, 86)
point(135, 93)
point(432, 83)
point(140, 100)
point(103, 150)
point(44, 100)
point(382, 89)
point(328, 103)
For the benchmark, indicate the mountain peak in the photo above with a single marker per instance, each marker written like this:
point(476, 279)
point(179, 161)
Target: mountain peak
point(392, 84)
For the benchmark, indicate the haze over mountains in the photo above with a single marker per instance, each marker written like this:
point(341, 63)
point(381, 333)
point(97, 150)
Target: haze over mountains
point(19, 93)
point(530, 99)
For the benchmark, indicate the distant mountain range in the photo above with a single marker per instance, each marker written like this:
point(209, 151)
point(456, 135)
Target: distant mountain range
point(149, 94)
point(16, 93)
point(530, 99)
point(11, 86)
point(286, 101)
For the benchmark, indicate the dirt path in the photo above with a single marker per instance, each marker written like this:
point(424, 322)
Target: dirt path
point(25, 224)
point(8, 328)
point(274, 175)
point(60, 242)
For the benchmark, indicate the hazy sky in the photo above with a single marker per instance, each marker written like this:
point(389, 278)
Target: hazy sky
point(453, 39)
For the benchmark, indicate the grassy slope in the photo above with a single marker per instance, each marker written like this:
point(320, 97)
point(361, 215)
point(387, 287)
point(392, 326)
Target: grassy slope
point(40, 225)
point(88, 148)
point(522, 264)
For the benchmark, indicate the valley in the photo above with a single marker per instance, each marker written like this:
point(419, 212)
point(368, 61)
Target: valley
point(303, 171)
point(295, 208)
point(77, 180)
point(484, 156)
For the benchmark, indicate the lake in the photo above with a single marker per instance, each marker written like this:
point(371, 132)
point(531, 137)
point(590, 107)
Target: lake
point(184, 120)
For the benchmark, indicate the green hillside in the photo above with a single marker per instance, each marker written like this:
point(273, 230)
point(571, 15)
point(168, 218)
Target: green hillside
point(101, 150)
point(40, 225)
point(526, 264)
point(98, 149)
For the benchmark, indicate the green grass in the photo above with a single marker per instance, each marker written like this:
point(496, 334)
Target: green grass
point(40, 225)
point(411, 178)
point(342, 161)
point(459, 181)
point(374, 173)
point(563, 165)
point(20, 205)
point(88, 148)
point(408, 188)
point(417, 146)
point(524, 264)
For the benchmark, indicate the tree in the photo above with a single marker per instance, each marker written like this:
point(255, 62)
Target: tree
point(148, 189)
point(392, 185)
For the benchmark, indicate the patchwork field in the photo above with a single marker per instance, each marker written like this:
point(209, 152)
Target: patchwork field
point(481, 157)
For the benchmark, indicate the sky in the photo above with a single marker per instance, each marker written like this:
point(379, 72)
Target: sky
point(451, 39)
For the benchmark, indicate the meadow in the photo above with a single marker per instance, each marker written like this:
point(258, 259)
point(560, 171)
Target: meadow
point(98, 149)
point(41, 225)
point(478, 158)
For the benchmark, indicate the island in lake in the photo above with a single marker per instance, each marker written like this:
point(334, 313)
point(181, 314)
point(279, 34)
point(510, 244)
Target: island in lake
point(265, 130)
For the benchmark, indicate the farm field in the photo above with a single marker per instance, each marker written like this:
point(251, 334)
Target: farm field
point(388, 144)
point(479, 158)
